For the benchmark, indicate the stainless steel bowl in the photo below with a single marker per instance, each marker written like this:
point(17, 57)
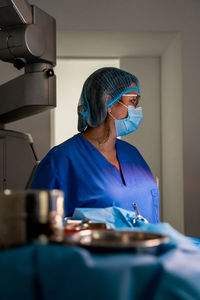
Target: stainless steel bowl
point(117, 240)
point(30, 215)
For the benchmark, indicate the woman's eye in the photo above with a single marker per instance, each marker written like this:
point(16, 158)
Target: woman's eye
point(134, 101)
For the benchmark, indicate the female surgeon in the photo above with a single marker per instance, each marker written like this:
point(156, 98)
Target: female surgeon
point(94, 168)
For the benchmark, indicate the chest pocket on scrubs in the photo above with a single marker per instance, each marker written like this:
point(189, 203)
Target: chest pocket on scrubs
point(155, 197)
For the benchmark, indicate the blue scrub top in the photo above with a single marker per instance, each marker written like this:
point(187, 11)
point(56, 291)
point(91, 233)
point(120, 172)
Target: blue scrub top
point(88, 179)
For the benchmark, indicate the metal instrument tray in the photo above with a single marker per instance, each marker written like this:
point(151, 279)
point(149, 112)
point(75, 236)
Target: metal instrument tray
point(117, 240)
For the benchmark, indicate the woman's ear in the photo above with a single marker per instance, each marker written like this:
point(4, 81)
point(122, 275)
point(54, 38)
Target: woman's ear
point(109, 110)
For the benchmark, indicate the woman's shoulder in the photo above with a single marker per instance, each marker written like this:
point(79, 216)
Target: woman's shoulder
point(63, 150)
point(127, 146)
point(131, 154)
point(66, 145)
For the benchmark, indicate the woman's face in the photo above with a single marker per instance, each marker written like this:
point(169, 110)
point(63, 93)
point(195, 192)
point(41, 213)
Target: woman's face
point(119, 111)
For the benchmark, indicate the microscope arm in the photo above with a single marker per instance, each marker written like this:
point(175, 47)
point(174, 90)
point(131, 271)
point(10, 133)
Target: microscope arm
point(27, 40)
point(14, 13)
point(28, 94)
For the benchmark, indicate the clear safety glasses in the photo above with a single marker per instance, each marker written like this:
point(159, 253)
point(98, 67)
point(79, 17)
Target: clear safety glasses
point(135, 100)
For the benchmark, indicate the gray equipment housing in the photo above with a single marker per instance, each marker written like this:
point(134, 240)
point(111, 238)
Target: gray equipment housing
point(27, 40)
point(18, 160)
point(33, 46)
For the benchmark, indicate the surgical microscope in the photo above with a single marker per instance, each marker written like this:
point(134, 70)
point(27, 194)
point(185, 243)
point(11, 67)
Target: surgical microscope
point(28, 41)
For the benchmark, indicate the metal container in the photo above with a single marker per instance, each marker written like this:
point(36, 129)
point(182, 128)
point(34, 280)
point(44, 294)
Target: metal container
point(72, 225)
point(30, 215)
point(118, 240)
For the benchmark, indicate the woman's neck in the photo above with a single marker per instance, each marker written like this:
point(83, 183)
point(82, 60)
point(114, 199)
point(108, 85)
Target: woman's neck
point(102, 137)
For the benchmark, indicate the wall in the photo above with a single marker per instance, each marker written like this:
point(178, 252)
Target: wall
point(172, 135)
point(191, 125)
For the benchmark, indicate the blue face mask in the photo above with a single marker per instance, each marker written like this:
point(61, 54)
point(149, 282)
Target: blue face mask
point(131, 123)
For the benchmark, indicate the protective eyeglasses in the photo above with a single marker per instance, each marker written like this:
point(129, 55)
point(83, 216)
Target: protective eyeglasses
point(135, 100)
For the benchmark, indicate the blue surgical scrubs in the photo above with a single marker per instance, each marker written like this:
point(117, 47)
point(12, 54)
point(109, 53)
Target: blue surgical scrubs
point(89, 180)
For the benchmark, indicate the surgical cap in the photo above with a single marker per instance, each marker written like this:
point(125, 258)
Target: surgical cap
point(101, 90)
